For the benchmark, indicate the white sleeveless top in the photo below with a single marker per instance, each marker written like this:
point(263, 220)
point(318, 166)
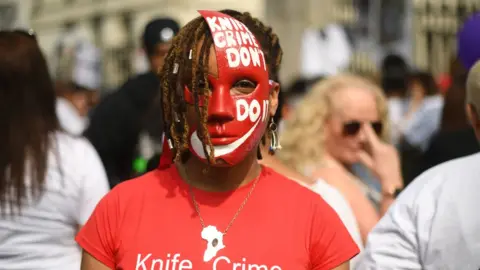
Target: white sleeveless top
point(336, 200)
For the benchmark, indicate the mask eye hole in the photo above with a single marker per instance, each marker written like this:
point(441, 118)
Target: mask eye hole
point(243, 87)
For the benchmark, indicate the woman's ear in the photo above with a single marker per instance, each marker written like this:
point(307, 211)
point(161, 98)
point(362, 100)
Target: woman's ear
point(273, 103)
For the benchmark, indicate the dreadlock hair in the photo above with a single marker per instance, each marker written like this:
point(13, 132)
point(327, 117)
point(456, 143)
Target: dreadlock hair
point(183, 68)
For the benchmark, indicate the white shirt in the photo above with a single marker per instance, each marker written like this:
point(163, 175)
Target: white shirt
point(42, 237)
point(433, 224)
point(396, 110)
point(424, 123)
point(336, 200)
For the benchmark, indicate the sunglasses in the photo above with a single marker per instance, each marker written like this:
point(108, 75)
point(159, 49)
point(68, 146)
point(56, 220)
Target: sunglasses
point(352, 128)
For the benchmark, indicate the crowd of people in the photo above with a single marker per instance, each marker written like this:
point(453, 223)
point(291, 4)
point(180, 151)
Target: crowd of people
point(207, 161)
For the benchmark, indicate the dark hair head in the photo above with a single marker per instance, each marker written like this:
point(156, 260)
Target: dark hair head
point(454, 116)
point(426, 80)
point(297, 88)
point(394, 75)
point(300, 86)
point(27, 109)
point(190, 72)
point(159, 31)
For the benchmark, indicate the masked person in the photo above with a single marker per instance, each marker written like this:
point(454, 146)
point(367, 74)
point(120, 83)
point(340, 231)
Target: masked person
point(77, 81)
point(124, 128)
point(215, 207)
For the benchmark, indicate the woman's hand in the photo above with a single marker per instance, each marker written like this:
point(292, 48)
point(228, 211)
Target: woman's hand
point(383, 160)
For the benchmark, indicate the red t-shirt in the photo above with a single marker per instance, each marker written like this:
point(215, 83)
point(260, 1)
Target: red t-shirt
point(149, 223)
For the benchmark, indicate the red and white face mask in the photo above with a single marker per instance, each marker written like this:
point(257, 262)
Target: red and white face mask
point(237, 122)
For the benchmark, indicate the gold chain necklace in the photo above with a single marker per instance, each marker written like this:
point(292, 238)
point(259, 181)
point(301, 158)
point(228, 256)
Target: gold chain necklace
point(210, 233)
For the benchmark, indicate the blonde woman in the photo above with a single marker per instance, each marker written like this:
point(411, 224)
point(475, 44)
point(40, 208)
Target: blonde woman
point(343, 121)
point(331, 195)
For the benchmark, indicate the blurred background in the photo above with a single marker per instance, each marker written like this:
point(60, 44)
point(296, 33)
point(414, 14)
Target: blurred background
point(104, 56)
point(422, 31)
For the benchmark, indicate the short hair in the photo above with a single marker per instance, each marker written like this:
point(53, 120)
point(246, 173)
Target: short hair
point(426, 80)
point(473, 86)
point(394, 74)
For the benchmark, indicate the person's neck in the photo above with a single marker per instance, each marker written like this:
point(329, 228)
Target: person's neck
point(267, 159)
point(211, 178)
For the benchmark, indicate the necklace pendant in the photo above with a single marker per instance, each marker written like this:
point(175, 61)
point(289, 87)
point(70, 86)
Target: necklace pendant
point(214, 240)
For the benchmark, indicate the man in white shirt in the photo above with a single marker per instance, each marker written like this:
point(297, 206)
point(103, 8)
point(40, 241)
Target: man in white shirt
point(434, 223)
point(77, 79)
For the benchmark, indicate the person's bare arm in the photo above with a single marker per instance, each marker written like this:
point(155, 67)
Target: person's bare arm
point(384, 162)
point(366, 215)
point(344, 266)
point(90, 263)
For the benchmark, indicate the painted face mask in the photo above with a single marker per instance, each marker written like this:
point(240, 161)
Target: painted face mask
point(236, 121)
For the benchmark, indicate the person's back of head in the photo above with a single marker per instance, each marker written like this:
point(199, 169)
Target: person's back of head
point(425, 80)
point(27, 106)
point(295, 91)
point(77, 74)
point(157, 39)
point(473, 97)
point(394, 75)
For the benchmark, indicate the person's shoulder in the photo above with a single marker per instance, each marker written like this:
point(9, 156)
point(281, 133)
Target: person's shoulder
point(110, 106)
point(301, 199)
point(331, 175)
point(151, 182)
point(143, 79)
point(463, 162)
point(335, 199)
point(147, 76)
point(328, 192)
point(434, 102)
point(453, 170)
point(74, 158)
point(439, 180)
point(73, 147)
point(291, 188)
point(122, 95)
point(142, 182)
